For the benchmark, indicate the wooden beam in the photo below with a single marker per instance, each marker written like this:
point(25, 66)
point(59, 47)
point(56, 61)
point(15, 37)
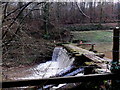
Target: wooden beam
point(59, 80)
point(77, 50)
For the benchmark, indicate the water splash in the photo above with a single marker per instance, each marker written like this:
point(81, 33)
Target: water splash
point(60, 60)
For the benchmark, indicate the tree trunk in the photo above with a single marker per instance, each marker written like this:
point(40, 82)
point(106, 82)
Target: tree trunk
point(101, 12)
point(20, 4)
point(46, 18)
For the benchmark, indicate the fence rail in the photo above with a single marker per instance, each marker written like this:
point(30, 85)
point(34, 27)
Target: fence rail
point(60, 80)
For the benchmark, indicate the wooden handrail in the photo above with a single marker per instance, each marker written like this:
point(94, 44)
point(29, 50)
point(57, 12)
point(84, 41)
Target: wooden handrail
point(60, 80)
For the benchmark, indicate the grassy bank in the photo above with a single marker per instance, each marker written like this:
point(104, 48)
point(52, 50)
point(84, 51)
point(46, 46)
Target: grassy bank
point(102, 40)
point(93, 36)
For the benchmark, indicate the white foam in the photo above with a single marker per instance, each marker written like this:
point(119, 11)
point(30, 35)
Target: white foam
point(60, 60)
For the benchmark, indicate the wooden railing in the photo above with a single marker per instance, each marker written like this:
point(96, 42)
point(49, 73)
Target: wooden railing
point(60, 80)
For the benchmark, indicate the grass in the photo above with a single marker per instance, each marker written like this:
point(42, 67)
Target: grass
point(93, 36)
point(102, 40)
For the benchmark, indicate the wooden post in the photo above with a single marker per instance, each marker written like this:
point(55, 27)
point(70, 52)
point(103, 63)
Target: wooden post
point(115, 83)
point(116, 45)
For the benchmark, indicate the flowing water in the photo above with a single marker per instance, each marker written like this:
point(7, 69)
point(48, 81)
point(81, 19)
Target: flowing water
point(60, 60)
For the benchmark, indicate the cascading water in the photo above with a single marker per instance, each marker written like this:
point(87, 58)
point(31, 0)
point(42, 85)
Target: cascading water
point(60, 60)
point(61, 56)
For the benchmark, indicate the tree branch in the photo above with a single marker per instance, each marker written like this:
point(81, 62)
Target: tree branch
point(20, 25)
point(5, 9)
point(12, 13)
point(80, 10)
point(16, 18)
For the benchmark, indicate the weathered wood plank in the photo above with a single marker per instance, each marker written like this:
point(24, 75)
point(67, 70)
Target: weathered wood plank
point(95, 58)
point(74, 49)
point(89, 54)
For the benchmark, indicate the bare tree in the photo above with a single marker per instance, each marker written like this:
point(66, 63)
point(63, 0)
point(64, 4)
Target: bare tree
point(101, 12)
point(13, 21)
point(82, 11)
point(20, 23)
point(91, 11)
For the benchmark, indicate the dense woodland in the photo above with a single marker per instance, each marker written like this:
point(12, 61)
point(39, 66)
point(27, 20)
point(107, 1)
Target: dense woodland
point(30, 30)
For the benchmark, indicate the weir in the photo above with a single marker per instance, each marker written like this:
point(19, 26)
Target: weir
point(61, 60)
point(67, 60)
point(60, 55)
